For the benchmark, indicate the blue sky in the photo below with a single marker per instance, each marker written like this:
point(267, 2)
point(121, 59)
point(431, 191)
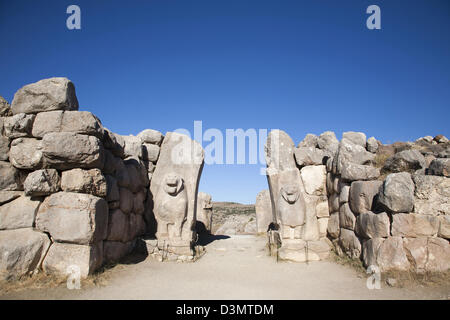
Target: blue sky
point(301, 66)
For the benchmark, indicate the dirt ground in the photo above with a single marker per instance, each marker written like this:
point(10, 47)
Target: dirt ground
point(233, 268)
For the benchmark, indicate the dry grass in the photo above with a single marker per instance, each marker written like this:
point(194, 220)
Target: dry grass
point(412, 279)
point(345, 260)
point(380, 159)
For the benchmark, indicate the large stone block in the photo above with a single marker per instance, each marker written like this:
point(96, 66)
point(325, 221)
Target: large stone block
point(62, 258)
point(372, 225)
point(150, 152)
point(67, 150)
point(328, 142)
point(133, 146)
point(26, 153)
point(414, 225)
point(428, 254)
point(21, 252)
point(74, 217)
point(114, 251)
point(5, 108)
point(151, 136)
point(19, 213)
point(351, 153)
point(354, 172)
point(4, 147)
point(45, 95)
point(407, 160)
point(18, 126)
point(307, 156)
point(362, 194)
point(440, 167)
point(204, 212)
point(432, 195)
point(10, 178)
point(112, 187)
point(84, 181)
point(392, 256)
point(370, 250)
point(42, 183)
point(444, 227)
point(397, 193)
point(8, 196)
point(82, 122)
point(347, 219)
point(349, 243)
point(126, 200)
point(357, 138)
point(333, 228)
point(118, 226)
point(314, 179)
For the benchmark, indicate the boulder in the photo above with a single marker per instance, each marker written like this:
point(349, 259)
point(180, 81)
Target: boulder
point(351, 153)
point(372, 145)
point(392, 256)
point(150, 152)
point(444, 227)
point(67, 150)
point(432, 195)
point(333, 202)
point(4, 148)
point(307, 156)
point(414, 225)
point(112, 163)
point(407, 160)
point(349, 243)
point(126, 200)
point(309, 141)
point(344, 195)
point(397, 193)
point(122, 176)
point(138, 202)
point(118, 226)
point(26, 153)
point(440, 167)
point(362, 194)
point(322, 209)
point(18, 126)
point(357, 138)
point(370, 250)
point(328, 142)
point(347, 219)
point(10, 177)
point(428, 254)
point(323, 226)
point(371, 225)
point(62, 258)
point(74, 217)
point(19, 213)
point(133, 146)
point(333, 228)
point(314, 179)
point(8, 196)
point(440, 138)
point(84, 181)
point(42, 183)
point(354, 172)
point(45, 95)
point(150, 136)
point(114, 251)
point(113, 143)
point(263, 208)
point(112, 193)
point(5, 109)
point(82, 122)
point(21, 252)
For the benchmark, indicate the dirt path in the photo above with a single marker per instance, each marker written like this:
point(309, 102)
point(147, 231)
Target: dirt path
point(234, 268)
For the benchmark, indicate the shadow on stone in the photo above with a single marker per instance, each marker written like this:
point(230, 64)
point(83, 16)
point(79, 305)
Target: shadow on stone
point(205, 239)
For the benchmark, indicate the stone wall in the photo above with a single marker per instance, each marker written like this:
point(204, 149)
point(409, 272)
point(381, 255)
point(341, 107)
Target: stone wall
point(71, 191)
point(388, 205)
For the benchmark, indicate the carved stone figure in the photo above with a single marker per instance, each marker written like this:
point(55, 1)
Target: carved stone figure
point(291, 211)
point(171, 204)
point(204, 213)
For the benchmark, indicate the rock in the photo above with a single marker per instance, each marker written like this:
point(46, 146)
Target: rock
point(250, 227)
point(427, 139)
point(371, 225)
point(357, 138)
point(392, 256)
point(113, 143)
point(112, 163)
point(136, 227)
point(397, 193)
point(123, 178)
point(428, 254)
point(333, 228)
point(432, 195)
point(322, 209)
point(42, 183)
point(309, 141)
point(174, 189)
point(84, 181)
point(306, 156)
point(18, 126)
point(74, 217)
point(126, 200)
point(347, 219)
point(21, 252)
point(344, 195)
point(114, 251)
point(440, 139)
point(26, 153)
point(354, 172)
point(320, 247)
point(263, 208)
point(204, 212)
point(67, 150)
point(350, 153)
point(407, 160)
point(5, 109)
point(414, 225)
point(4, 148)
point(112, 193)
point(150, 152)
point(349, 243)
point(362, 194)
point(137, 173)
point(323, 226)
point(117, 226)
point(372, 145)
point(45, 95)
point(81, 122)
point(391, 282)
point(444, 227)
point(10, 177)
point(19, 213)
point(328, 142)
point(370, 250)
point(440, 167)
point(138, 202)
point(150, 136)
point(133, 146)
point(8, 196)
point(333, 202)
point(63, 257)
point(314, 179)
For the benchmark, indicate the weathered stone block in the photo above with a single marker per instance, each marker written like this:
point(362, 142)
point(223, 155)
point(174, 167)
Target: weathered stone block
point(19, 213)
point(84, 181)
point(42, 182)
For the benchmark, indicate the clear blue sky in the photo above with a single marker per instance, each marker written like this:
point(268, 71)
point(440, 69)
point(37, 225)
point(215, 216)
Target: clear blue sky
point(301, 66)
